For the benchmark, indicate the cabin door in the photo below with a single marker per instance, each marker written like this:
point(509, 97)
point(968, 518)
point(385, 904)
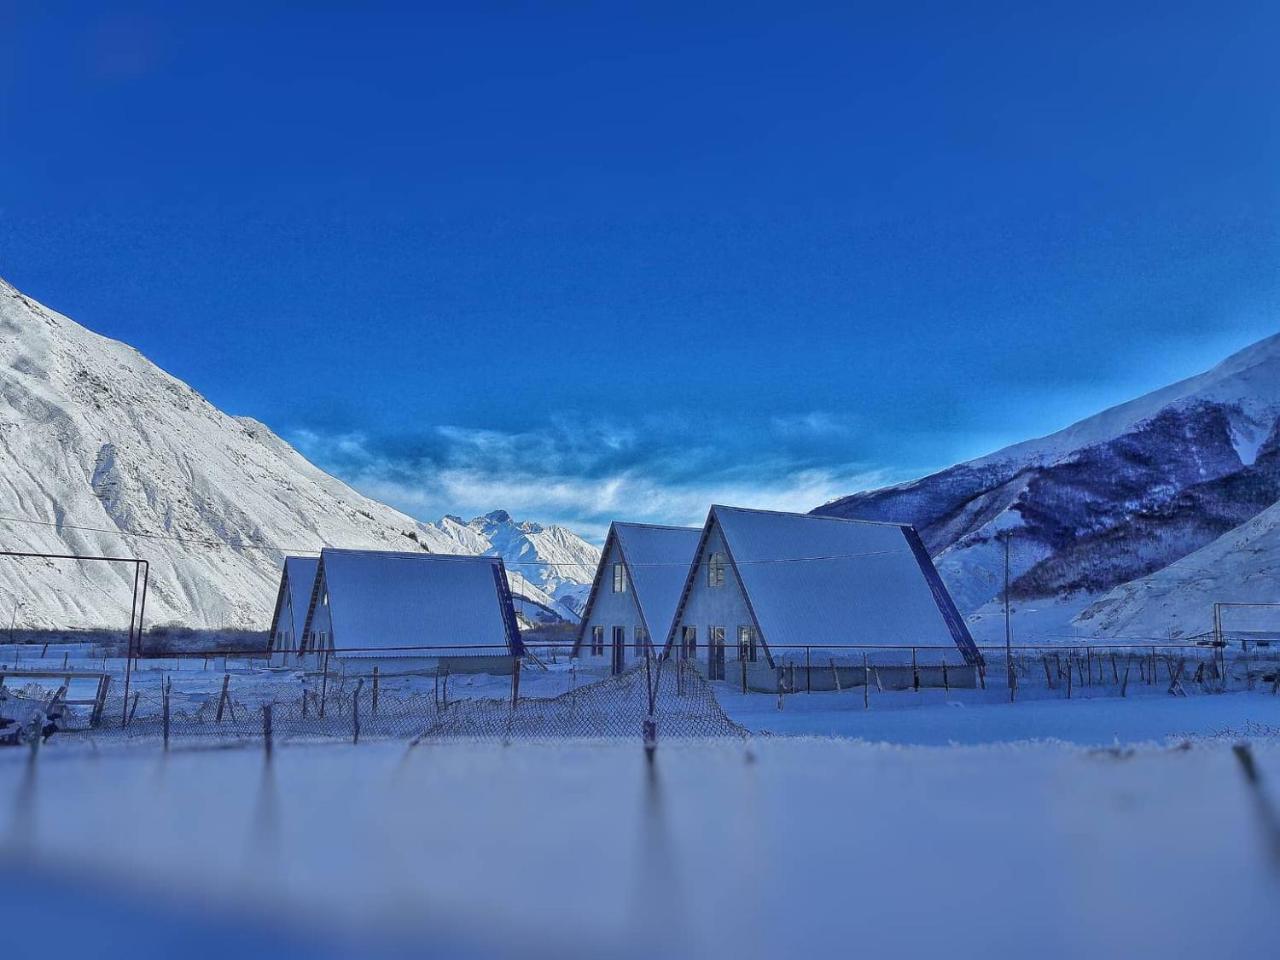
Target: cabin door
point(619, 649)
point(715, 653)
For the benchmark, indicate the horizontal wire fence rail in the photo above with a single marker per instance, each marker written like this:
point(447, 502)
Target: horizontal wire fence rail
point(241, 699)
point(674, 697)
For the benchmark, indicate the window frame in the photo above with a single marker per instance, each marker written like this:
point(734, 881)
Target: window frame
point(689, 643)
point(619, 577)
point(715, 569)
point(597, 641)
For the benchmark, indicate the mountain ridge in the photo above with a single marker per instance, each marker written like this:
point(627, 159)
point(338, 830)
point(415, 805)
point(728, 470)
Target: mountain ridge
point(1106, 501)
point(105, 449)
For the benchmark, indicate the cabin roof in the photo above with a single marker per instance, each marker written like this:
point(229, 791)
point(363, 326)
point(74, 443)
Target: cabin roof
point(383, 602)
point(813, 580)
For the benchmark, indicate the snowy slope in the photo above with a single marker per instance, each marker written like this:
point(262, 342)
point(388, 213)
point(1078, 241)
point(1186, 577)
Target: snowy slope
point(556, 564)
point(95, 436)
point(1242, 566)
point(1111, 499)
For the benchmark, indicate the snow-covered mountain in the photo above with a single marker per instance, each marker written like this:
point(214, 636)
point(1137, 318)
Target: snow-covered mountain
point(1115, 498)
point(1241, 566)
point(99, 446)
point(555, 562)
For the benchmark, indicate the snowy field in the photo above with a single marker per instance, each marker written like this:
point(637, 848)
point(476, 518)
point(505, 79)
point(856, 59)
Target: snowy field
point(907, 824)
point(769, 848)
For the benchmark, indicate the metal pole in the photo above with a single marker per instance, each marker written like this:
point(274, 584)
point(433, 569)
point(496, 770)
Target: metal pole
point(1008, 622)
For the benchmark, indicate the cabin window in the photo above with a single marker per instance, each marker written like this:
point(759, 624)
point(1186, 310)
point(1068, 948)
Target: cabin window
point(746, 644)
point(689, 643)
point(597, 641)
point(715, 570)
point(619, 578)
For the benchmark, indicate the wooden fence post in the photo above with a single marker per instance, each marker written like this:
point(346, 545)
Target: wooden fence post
point(222, 697)
point(1124, 682)
point(808, 672)
point(779, 682)
point(915, 672)
point(168, 686)
point(866, 684)
point(743, 660)
point(375, 691)
point(324, 684)
point(355, 712)
point(515, 684)
point(946, 680)
point(1069, 665)
point(266, 728)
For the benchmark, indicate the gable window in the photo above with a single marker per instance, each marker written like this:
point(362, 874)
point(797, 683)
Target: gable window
point(747, 644)
point(715, 570)
point(689, 643)
point(619, 578)
point(643, 647)
point(597, 641)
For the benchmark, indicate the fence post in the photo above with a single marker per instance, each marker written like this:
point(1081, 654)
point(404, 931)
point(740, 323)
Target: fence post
point(266, 728)
point(743, 660)
point(915, 672)
point(355, 712)
point(866, 684)
point(133, 709)
point(1070, 658)
point(779, 681)
point(515, 684)
point(375, 691)
point(835, 674)
point(1124, 683)
point(808, 672)
point(324, 684)
point(304, 697)
point(168, 686)
point(222, 698)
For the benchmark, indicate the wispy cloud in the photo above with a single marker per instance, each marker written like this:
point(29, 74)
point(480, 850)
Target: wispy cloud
point(584, 473)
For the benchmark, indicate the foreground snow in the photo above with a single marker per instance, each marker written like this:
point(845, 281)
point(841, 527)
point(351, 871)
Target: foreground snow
point(771, 848)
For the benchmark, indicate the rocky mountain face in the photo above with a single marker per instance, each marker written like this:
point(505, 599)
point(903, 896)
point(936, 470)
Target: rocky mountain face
point(1111, 500)
point(102, 452)
point(556, 564)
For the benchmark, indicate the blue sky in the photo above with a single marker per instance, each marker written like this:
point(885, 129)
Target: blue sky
point(594, 260)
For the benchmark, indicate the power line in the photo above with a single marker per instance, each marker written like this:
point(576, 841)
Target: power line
point(262, 545)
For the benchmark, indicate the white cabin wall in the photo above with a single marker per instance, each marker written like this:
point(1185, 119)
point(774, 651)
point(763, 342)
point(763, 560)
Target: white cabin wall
point(706, 606)
point(609, 610)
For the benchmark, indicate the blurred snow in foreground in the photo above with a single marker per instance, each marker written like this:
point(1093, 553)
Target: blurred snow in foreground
point(773, 848)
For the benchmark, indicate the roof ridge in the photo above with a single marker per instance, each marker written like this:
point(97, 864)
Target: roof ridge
point(809, 516)
point(409, 555)
point(653, 526)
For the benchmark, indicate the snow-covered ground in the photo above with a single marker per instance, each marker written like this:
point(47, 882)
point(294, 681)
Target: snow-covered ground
point(931, 823)
point(935, 718)
point(770, 848)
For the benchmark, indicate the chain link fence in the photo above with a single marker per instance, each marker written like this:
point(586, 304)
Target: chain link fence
point(673, 695)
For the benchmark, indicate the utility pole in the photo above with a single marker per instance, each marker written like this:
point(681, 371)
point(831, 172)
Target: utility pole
point(1008, 621)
